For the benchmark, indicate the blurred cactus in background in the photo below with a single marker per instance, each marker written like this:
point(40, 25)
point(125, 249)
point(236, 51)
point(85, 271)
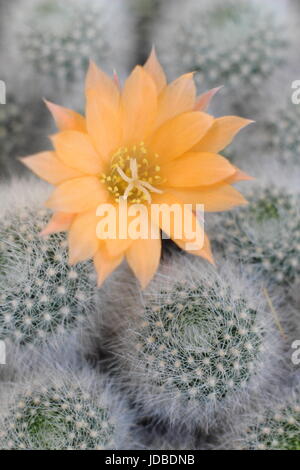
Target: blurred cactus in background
point(235, 44)
point(285, 134)
point(275, 427)
point(61, 37)
point(58, 39)
point(266, 234)
point(146, 13)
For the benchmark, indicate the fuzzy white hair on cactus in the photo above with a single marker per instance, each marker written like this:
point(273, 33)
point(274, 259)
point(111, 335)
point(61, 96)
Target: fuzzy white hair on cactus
point(195, 345)
point(41, 293)
point(265, 234)
point(60, 409)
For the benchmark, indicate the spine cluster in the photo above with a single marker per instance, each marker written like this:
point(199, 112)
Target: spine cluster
point(57, 417)
point(196, 349)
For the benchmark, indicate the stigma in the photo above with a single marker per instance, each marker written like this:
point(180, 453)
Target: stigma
point(134, 174)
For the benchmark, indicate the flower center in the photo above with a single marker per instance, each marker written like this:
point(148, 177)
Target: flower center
point(134, 174)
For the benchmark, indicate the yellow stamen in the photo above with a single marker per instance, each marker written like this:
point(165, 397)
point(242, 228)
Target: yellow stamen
point(132, 173)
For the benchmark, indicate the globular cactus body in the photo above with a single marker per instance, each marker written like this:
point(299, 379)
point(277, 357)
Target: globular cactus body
point(275, 427)
point(265, 235)
point(198, 347)
point(41, 293)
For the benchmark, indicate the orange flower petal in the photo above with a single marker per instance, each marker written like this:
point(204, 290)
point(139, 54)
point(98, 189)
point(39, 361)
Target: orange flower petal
point(103, 122)
point(203, 100)
point(169, 226)
point(83, 241)
point(177, 98)
point(197, 169)
point(139, 105)
point(59, 222)
point(105, 264)
point(143, 256)
point(221, 134)
point(179, 135)
point(105, 86)
point(76, 151)
point(78, 195)
point(154, 68)
point(215, 199)
point(66, 119)
point(48, 167)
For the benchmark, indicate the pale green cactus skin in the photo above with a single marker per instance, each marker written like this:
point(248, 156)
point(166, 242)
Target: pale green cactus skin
point(57, 418)
point(265, 234)
point(41, 293)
